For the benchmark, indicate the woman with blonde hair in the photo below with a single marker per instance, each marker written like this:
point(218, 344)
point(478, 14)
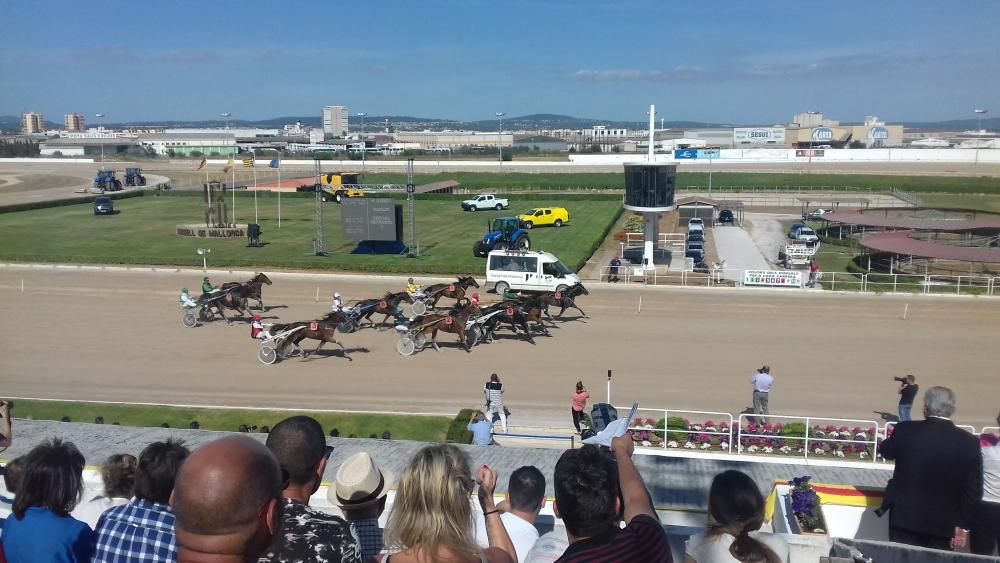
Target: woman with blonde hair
point(735, 509)
point(432, 517)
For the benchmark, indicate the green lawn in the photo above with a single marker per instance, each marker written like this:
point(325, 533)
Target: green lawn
point(143, 233)
point(979, 202)
point(420, 428)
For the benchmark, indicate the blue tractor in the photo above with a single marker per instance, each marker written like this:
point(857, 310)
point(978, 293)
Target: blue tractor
point(105, 181)
point(502, 233)
point(134, 177)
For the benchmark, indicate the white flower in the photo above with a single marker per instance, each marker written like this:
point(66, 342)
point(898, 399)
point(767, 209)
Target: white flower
point(705, 445)
point(838, 453)
point(768, 449)
point(785, 449)
point(645, 443)
point(648, 427)
point(689, 445)
point(801, 450)
point(819, 451)
point(863, 455)
point(845, 434)
point(672, 444)
point(696, 427)
point(819, 433)
point(724, 445)
point(710, 429)
point(860, 436)
point(752, 449)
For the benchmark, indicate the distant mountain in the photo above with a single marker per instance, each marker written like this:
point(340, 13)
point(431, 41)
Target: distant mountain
point(991, 124)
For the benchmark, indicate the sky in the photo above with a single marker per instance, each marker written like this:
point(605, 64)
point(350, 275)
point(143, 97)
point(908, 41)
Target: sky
point(743, 62)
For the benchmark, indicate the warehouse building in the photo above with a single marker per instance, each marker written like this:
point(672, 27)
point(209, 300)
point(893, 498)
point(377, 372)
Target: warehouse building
point(183, 144)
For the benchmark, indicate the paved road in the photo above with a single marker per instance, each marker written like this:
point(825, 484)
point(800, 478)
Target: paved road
point(117, 336)
point(738, 249)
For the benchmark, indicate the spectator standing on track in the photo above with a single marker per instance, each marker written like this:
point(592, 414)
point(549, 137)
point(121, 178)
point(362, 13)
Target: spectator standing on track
point(938, 479)
point(591, 492)
point(762, 382)
point(524, 500)
point(579, 404)
point(482, 431)
point(143, 530)
point(613, 270)
point(41, 529)
point(813, 272)
point(907, 392)
point(304, 533)
point(985, 534)
point(493, 390)
point(431, 518)
point(226, 501)
point(360, 491)
point(118, 475)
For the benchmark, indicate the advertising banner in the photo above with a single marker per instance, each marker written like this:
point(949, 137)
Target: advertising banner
point(772, 278)
point(821, 134)
point(809, 152)
point(758, 136)
point(692, 154)
point(368, 219)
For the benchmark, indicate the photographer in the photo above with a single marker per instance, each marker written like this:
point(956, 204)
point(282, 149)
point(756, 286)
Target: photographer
point(5, 432)
point(907, 392)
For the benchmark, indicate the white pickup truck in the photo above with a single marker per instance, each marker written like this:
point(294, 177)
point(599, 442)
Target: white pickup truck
point(485, 201)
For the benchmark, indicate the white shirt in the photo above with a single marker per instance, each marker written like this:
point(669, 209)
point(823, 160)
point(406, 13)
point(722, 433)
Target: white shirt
point(762, 381)
point(522, 534)
point(991, 474)
point(90, 511)
point(549, 547)
point(716, 550)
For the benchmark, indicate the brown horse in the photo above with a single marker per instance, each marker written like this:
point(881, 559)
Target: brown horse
point(564, 299)
point(385, 305)
point(321, 330)
point(455, 290)
point(447, 322)
point(250, 289)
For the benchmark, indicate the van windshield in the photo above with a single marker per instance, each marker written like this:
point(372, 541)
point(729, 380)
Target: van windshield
point(561, 268)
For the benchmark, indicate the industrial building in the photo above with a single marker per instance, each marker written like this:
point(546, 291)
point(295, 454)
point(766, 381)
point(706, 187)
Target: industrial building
point(335, 121)
point(449, 139)
point(183, 144)
point(32, 122)
point(74, 122)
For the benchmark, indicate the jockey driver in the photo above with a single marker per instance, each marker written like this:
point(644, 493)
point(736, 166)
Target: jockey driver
point(412, 287)
point(206, 287)
point(258, 330)
point(186, 301)
point(337, 303)
point(475, 299)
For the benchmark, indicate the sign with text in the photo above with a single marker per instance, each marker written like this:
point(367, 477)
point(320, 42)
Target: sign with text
point(368, 219)
point(809, 152)
point(772, 278)
point(821, 134)
point(759, 136)
point(692, 154)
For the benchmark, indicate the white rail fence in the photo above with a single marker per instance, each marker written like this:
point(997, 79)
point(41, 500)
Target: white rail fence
point(867, 437)
point(721, 427)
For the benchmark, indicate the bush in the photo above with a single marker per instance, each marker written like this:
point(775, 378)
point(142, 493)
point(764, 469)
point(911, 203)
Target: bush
point(457, 431)
point(676, 423)
point(794, 430)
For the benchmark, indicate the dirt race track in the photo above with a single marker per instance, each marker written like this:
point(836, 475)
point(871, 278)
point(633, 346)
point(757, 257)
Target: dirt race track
point(117, 336)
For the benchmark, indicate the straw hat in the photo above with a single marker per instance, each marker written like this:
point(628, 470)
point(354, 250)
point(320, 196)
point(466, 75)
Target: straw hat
point(359, 483)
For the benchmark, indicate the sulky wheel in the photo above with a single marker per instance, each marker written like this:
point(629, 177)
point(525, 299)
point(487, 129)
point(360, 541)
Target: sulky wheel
point(189, 320)
point(347, 327)
point(267, 355)
point(418, 308)
point(405, 346)
point(419, 340)
point(472, 335)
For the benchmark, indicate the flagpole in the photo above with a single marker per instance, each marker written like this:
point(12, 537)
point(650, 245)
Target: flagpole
point(234, 192)
point(279, 193)
point(255, 218)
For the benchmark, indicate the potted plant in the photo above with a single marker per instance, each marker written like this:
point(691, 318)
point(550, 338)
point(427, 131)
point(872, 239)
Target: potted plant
point(806, 512)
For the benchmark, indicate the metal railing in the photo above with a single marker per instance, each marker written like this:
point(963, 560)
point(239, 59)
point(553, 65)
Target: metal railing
point(722, 417)
point(808, 420)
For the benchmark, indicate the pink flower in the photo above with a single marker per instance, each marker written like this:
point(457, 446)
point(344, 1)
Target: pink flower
point(650, 421)
point(709, 423)
point(637, 422)
point(830, 428)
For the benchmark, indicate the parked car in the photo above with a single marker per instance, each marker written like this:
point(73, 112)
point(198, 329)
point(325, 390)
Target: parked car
point(542, 216)
point(696, 224)
point(802, 233)
point(726, 217)
point(103, 205)
point(485, 201)
point(695, 254)
point(696, 235)
point(696, 245)
point(817, 214)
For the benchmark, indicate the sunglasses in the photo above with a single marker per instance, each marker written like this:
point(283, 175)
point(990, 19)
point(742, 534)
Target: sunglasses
point(327, 453)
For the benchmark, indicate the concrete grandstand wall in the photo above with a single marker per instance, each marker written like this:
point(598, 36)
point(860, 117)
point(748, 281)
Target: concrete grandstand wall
point(743, 156)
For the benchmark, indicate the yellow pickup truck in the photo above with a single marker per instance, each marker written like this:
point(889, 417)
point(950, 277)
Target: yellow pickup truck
point(542, 216)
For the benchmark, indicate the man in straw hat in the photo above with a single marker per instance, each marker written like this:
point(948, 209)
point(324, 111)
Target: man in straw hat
point(306, 534)
point(360, 491)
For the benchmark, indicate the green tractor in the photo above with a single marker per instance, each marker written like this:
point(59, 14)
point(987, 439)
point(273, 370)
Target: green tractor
point(502, 233)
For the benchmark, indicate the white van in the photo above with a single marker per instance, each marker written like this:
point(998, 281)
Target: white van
point(527, 271)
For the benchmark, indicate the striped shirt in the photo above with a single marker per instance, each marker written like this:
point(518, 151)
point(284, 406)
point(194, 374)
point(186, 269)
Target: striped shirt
point(138, 532)
point(369, 536)
point(494, 393)
point(642, 540)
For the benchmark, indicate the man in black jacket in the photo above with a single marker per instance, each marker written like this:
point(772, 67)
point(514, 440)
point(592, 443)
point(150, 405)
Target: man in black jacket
point(938, 477)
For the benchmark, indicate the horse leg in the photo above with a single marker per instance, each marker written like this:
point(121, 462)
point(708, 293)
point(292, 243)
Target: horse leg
point(581, 310)
point(527, 331)
point(434, 334)
point(322, 341)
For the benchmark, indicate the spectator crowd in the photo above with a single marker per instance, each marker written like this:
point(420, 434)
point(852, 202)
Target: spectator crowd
point(236, 499)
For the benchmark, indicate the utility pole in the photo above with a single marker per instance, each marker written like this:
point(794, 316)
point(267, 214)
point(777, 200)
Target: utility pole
point(411, 190)
point(500, 115)
point(318, 248)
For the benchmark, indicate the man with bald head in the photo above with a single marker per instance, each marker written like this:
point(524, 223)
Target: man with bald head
point(226, 501)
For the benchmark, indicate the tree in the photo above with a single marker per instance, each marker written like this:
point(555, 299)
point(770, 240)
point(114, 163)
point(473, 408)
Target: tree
point(197, 153)
point(595, 148)
point(171, 153)
point(858, 145)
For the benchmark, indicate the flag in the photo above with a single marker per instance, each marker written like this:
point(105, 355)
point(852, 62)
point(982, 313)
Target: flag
point(229, 165)
point(248, 161)
point(275, 164)
point(204, 161)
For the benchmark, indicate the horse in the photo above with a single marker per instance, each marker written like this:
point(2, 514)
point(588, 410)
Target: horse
point(322, 330)
point(233, 300)
point(518, 314)
point(251, 289)
point(455, 290)
point(564, 299)
point(447, 322)
point(386, 305)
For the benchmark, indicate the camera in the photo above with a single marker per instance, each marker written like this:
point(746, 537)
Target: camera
point(900, 379)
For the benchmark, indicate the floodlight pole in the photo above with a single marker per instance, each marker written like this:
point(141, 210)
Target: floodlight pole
point(318, 248)
point(500, 115)
point(411, 189)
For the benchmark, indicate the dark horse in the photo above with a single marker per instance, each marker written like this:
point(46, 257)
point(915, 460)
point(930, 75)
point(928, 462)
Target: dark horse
point(321, 330)
point(229, 299)
point(385, 305)
point(447, 322)
point(564, 299)
point(455, 290)
point(250, 289)
point(518, 314)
